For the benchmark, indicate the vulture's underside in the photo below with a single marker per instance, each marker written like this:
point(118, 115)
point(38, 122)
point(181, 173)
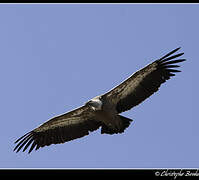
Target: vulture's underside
point(79, 122)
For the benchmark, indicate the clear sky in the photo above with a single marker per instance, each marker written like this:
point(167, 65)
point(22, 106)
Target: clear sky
point(55, 57)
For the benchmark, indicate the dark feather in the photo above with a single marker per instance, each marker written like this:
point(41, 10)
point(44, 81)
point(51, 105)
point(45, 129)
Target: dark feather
point(56, 135)
point(171, 62)
point(172, 57)
point(144, 82)
point(172, 52)
point(32, 147)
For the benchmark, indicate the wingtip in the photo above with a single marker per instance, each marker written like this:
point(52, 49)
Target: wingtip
point(175, 50)
point(182, 60)
point(168, 54)
point(21, 137)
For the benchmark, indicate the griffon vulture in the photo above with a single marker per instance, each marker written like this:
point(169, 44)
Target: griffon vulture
point(103, 111)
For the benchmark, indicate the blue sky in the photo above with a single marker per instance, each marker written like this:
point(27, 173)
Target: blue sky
point(55, 57)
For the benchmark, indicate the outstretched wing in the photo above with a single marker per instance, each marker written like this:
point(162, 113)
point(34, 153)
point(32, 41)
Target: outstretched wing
point(144, 82)
point(60, 129)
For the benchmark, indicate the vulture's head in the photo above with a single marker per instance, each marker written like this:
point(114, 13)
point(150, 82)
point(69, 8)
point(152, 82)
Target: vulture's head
point(95, 103)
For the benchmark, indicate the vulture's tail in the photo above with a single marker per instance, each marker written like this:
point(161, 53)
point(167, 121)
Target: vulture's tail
point(125, 122)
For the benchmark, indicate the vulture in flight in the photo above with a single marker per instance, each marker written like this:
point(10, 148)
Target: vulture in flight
point(103, 110)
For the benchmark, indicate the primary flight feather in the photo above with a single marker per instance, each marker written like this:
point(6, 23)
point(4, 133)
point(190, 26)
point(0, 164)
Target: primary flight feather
point(103, 111)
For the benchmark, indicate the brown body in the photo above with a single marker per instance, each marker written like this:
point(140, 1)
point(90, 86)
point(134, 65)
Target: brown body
point(110, 119)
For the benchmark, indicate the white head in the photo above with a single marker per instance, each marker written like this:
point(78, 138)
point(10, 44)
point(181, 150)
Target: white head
point(95, 103)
